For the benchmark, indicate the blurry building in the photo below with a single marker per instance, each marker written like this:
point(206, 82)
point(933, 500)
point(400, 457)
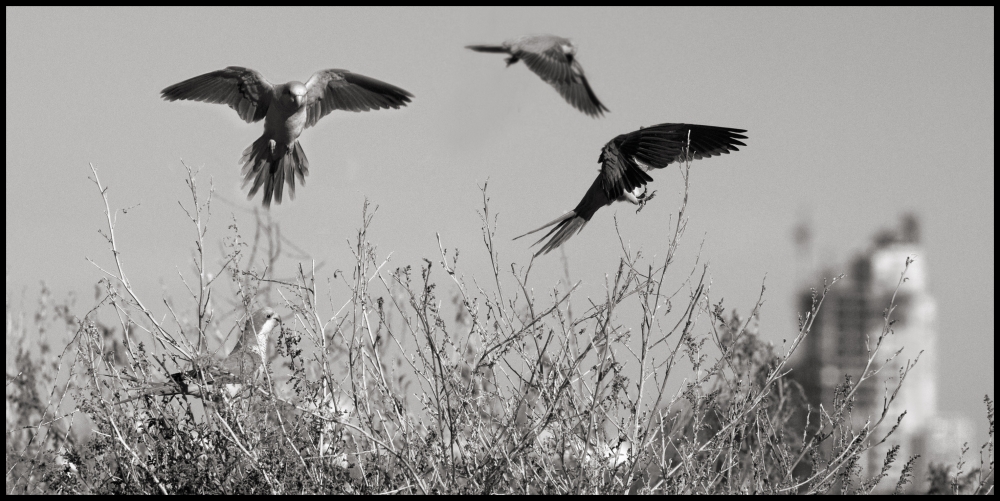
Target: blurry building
point(849, 324)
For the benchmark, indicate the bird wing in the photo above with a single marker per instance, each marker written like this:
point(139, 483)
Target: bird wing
point(243, 89)
point(626, 158)
point(206, 372)
point(213, 372)
point(239, 366)
point(551, 63)
point(333, 89)
point(572, 222)
point(578, 93)
point(619, 173)
point(251, 349)
point(566, 75)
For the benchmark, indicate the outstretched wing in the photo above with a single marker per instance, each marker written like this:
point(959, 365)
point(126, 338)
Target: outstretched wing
point(550, 63)
point(243, 89)
point(563, 72)
point(578, 93)
point(552, 59)
point(333, 89)
point(626, 158)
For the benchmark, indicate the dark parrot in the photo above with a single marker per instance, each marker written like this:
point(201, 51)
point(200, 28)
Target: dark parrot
point(625, 163)
point(554, 59)
point(287, 109)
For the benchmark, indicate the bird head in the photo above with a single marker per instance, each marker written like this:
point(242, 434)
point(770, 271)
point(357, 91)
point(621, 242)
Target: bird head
point(295, 93)
point(257, 330)
point(568, 48)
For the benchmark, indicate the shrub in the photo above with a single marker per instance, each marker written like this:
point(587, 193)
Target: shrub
point(426, 381)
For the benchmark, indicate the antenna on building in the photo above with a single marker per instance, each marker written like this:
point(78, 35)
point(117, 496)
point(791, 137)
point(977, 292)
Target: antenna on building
point(802, 237)
point(909, 228)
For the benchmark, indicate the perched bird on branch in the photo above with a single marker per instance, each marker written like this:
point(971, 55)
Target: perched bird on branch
point(287, 109)
point(242, 366)
point(554, 59)
point(625, 163)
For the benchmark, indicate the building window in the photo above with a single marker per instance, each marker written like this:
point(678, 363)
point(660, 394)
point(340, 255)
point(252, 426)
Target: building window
point(852, 314)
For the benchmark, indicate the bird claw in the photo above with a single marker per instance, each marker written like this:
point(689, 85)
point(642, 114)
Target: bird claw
point(273, 145)
point(644, 198)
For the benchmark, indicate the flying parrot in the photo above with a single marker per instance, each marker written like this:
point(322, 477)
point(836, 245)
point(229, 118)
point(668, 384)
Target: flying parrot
point(625, 163)
point(287, 109)
point(554, 59)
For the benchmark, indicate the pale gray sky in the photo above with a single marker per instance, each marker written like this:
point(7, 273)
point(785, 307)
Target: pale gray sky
point(854, 116)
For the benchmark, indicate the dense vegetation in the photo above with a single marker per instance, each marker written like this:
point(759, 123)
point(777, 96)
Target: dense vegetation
point(429, 381)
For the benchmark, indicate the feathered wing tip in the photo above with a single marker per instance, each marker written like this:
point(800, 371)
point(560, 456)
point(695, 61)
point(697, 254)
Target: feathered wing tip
point(566, 226)
point(272, 170)
point(577, 92)
point(598, 109)
point(582, 97)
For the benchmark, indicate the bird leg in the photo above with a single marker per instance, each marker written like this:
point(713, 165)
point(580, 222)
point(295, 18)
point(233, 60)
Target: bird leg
point(644, 198)
point(273, 145)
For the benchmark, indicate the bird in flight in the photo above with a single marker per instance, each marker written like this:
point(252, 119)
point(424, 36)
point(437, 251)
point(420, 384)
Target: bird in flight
point(625, 163)
point(287, 109)
point(243, 364)
point(554, 59)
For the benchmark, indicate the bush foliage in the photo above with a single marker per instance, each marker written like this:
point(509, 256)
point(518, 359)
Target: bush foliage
point(426, 380)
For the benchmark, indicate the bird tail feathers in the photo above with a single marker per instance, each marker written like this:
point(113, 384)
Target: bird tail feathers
point(157, 390)
point(190, 382)
point(488, 48)
point(270, 165)
point(566, 226)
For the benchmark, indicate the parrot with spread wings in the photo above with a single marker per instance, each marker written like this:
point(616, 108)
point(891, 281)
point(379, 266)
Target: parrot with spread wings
point(625, 163)
point(554, 59)
point(287, 109)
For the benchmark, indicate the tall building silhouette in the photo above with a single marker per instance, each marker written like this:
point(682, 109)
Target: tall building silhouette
point(848, 326)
